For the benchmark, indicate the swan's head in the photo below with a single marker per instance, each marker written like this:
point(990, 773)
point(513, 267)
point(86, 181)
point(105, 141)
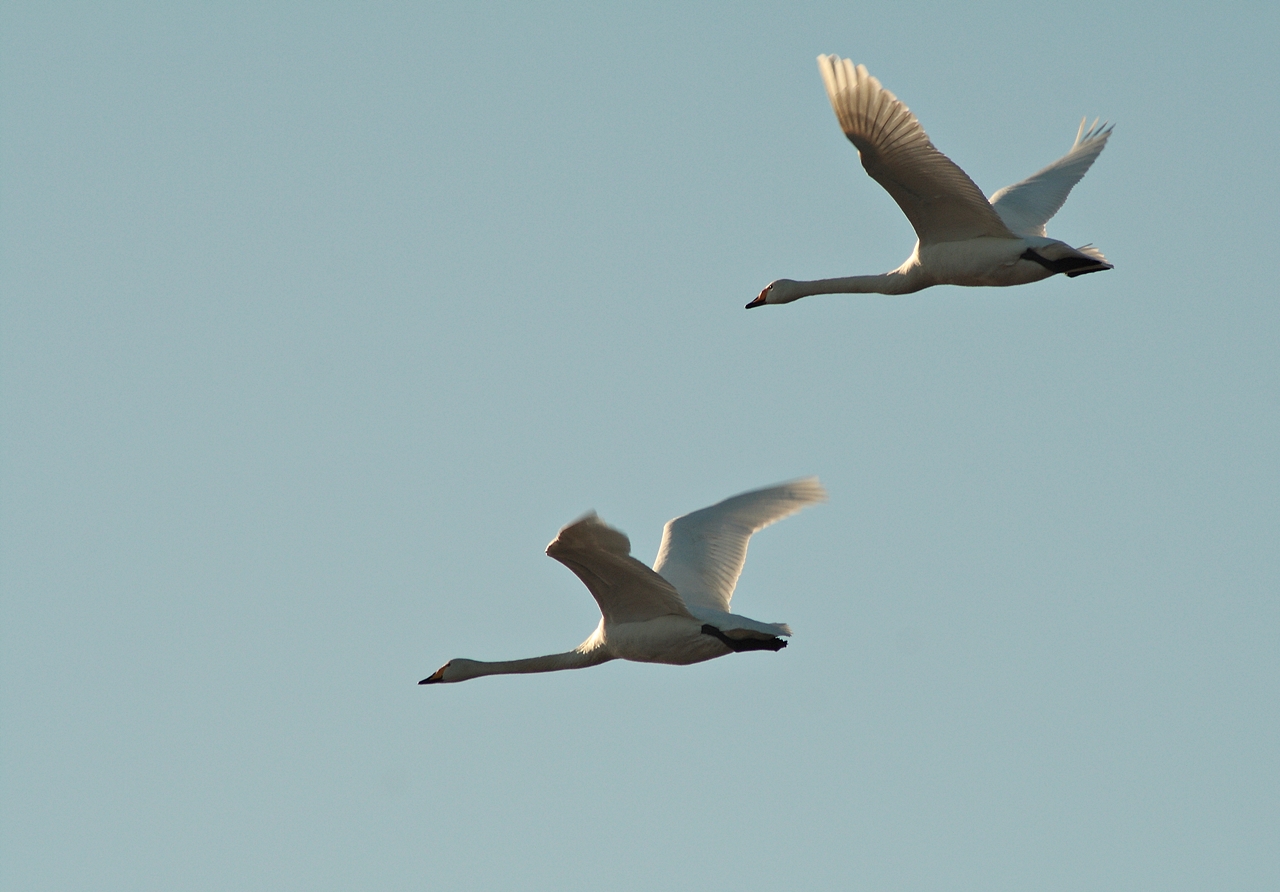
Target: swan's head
point(779, 291)
point(454, 670)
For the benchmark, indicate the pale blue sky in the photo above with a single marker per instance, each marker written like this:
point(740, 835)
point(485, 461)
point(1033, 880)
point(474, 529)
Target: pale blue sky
point(318, 321)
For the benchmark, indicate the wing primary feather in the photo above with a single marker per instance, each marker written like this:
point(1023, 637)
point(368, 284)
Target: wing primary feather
point(1026, 206)
point(624, 588)
point(702, 552)
point(939, 199)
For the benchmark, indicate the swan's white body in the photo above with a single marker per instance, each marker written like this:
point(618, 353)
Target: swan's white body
point(963, 239)
point(678, 612)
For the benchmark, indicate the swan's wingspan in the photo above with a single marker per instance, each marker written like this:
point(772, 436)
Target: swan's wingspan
point(939, 199)
point(1025, 207)
point(702, 553)
point(626, 590)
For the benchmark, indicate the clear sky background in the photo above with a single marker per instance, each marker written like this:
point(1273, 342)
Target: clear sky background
point(318, 321)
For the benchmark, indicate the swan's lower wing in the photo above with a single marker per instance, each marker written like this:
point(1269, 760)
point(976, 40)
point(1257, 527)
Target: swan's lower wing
point(939, 199)
point(626, 590)
point(1026, 207)
point(702, 553)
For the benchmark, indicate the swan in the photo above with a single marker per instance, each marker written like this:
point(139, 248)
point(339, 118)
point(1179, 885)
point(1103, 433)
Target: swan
point(676, 613)
point(962, 238)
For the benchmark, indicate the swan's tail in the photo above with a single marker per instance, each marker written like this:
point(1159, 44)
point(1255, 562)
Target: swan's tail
point(740, 641)
point(739, 626)
point(1058, 257)
point(1099, 262)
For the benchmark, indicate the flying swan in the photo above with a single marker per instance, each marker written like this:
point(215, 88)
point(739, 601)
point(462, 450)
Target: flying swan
point(678, 612)
point(962, 239)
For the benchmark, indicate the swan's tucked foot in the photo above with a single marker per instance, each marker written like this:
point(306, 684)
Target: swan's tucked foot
point(741, 644)
point(1072, 264)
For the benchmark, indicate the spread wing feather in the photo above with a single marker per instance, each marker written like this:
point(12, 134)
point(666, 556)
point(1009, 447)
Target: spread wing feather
point(1026, 207)
point(702, 553)
point(626, 590)
point(939, 199)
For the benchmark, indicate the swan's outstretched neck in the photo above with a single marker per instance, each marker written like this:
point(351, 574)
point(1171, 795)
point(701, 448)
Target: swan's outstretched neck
point(461, 670)
point(900, 281)
point(886, 283)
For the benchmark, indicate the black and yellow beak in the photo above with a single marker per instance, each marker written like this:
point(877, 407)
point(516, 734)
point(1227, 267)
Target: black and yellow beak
point(435, 677)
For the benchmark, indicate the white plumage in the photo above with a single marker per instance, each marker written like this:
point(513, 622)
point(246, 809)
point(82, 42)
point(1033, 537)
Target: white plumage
point(678, 612)
point(962, 238)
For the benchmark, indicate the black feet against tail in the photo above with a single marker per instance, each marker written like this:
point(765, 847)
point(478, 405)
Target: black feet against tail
point(741, 644)
point(1072, 266)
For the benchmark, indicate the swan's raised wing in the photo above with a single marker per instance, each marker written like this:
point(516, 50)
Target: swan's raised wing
point(626, 590)
point(1025, 207)
point(702, 553)
point(939, 199)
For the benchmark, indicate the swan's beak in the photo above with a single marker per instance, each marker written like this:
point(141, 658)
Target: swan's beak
point(436, 676)
point(759, 301)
